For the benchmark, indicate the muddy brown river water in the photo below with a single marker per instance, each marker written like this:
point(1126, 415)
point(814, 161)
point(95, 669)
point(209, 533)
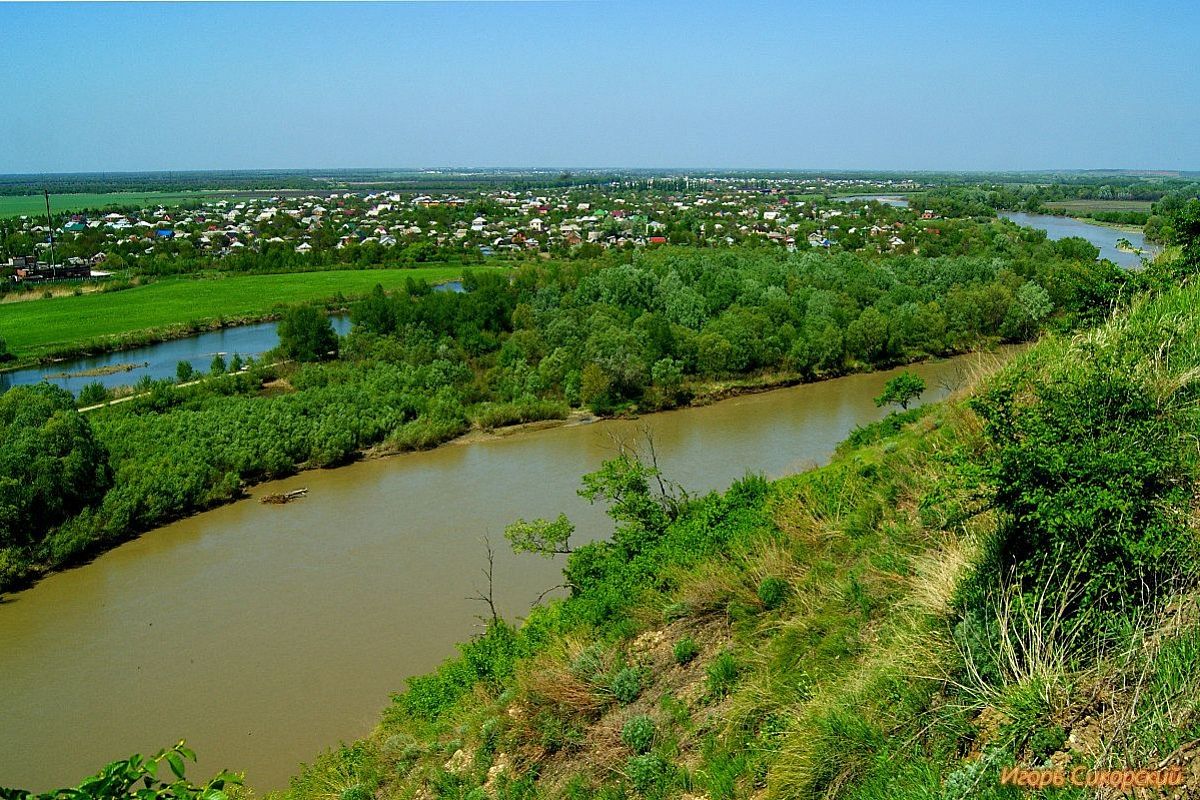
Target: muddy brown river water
point(265, 634)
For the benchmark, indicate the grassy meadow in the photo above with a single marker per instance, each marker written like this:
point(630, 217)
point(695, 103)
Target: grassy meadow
point(35, 327)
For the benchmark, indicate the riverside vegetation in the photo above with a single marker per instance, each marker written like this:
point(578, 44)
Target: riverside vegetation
point(628, 332)
point(1004, 578)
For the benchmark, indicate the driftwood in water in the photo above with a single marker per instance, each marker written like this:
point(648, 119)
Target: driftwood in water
point(284, 497)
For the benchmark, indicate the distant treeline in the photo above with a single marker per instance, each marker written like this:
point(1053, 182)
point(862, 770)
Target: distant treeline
point(317, 181)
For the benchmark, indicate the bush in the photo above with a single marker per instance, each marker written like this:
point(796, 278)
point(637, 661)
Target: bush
point(626, 685)
point(92, 394)
point(686, 651)
point(722, 674)
point(638, 733)
point(646, 772)
point(772, 592)
point(1089, 469)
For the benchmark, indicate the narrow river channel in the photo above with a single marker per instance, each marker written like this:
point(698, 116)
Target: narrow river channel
point(265, 634)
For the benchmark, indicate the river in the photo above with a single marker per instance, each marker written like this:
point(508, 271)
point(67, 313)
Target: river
point(265, 634)
point(895, 200)
point(1101, 236)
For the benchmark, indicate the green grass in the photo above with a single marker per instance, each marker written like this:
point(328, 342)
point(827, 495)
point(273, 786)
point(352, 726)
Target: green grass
point(35, 327)
point(35, 204)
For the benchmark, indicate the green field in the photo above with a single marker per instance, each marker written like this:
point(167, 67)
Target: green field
point(1084, 206)
point(35, 204)
point(34, 327)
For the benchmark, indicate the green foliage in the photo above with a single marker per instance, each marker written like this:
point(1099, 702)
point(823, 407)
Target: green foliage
point(306, 334)
point(723, 673)
point(1089, 471)
point(901, 390)
point(1031, 305)
point(624, 484)
point(647, 772)
point(541, 536)
point(218, 366)
point(1047, 740)
point(772, 592)
point(51, 463)
point(184, 371)
point(626, 685)
point(685, 651)
point(638, 733)
point(140, 778)
point(92, 394)
point(881, 429)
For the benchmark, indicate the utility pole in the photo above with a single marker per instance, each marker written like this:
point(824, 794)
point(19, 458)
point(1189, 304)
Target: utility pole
point(49, 225)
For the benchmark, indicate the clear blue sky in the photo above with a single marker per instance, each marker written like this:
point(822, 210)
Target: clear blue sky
point(638, 83)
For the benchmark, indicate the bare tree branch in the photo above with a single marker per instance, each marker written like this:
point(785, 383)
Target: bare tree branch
point(488, 573)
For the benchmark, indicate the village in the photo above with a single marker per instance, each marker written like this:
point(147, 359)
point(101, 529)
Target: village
point(395, 226)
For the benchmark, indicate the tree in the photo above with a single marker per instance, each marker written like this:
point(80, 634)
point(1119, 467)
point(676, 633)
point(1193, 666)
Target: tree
point(376, 313)
point(184, 371)
point(867, 336)
point(1186, 222)
point(217, 367)
point(640, 499)
point(306, 334)
point(1031, 304)
point(901, 390)
point(51, 464)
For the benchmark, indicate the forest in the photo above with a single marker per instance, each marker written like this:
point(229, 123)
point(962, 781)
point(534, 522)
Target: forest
point(614, 335)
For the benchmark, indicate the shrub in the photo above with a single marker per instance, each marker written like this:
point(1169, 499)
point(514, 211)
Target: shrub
point(772, 592)
point(589, 663)
point(638, 733)
point(722, 674)
point(92, 394)
point(626, 685)
point(1046, 741)
point(686, 650)
point(646, 772)
point(1088, 468)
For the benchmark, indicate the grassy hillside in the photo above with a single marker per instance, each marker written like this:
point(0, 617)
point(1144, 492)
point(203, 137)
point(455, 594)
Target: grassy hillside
point(1004, 579)
point(39, 326)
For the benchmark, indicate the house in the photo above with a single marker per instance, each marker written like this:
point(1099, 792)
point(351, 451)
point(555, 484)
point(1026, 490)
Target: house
point(658, 240)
